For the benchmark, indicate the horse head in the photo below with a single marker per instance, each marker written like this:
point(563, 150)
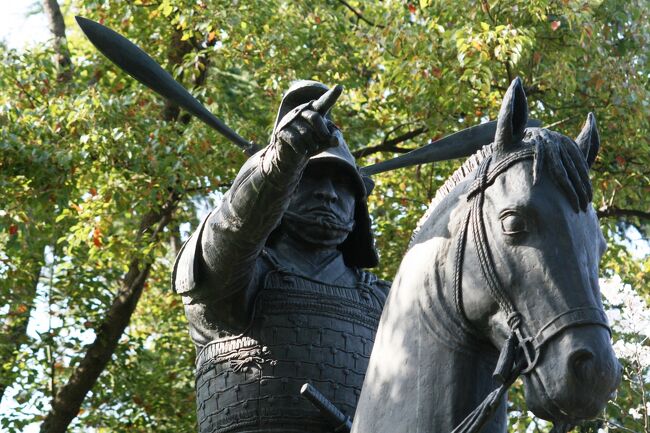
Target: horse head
point(500, 280)
point(535, 237)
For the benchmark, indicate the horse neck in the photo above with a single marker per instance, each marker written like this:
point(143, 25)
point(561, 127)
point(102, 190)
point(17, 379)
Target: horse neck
point(426, 374)
point(465, 362)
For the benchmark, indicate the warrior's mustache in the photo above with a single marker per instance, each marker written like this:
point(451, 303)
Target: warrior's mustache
point(327, 222)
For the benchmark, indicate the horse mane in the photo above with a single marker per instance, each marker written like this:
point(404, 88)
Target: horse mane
point(461, 174)
point(566, 164)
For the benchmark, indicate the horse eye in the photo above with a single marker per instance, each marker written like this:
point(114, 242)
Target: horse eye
point(513, 223)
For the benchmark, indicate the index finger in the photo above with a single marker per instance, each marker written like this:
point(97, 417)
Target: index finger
point(323, 104)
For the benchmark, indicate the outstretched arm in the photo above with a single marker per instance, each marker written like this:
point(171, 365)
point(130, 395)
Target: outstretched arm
point(216, 267)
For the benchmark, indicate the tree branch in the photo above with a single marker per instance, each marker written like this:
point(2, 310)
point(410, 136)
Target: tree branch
point(360, 15)
point(175, 54)
point(57, 27)
point(485, 5)
point(616, 212)
point(562, 121)
point(509, 72)
point(390, 145)
point(33, 102)
point(175, 242)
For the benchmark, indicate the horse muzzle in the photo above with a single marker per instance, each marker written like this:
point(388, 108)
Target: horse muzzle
point(576, 375)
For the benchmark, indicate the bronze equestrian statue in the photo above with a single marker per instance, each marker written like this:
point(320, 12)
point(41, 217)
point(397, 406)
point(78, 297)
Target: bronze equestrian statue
point(500, 280)
point(272, 280)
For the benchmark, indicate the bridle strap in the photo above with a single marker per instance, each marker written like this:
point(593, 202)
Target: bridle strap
point(458, 275)
point(479, 234)
point(573, 317)
point(484, 178)
point(579, 316)
point(508, 369)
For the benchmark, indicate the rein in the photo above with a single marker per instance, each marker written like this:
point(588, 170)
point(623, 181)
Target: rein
point(521, 351)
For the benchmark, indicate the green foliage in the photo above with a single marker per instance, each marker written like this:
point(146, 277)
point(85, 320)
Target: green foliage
point(83, 161)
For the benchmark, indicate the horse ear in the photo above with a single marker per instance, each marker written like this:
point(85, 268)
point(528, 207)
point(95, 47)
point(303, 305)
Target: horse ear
point(588, 141)
point(513, 116)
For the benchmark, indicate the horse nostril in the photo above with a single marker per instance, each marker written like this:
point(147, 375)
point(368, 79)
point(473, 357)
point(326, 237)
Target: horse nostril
point(581, 363)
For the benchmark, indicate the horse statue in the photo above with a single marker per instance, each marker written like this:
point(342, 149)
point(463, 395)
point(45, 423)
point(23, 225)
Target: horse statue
point(500, 280)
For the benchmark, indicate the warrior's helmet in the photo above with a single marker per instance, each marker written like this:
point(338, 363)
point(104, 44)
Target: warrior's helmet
point(358, 249)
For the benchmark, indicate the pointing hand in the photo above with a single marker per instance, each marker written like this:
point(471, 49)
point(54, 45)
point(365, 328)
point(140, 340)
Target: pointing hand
point(306, 128)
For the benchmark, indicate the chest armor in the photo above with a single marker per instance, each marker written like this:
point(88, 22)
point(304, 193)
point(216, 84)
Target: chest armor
point(301, 331)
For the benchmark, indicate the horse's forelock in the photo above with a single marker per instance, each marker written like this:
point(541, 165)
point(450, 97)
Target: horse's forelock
point(565, 162)
point(560, 154)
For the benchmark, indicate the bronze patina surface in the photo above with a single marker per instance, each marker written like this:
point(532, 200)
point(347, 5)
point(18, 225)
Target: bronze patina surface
point(500, 281)
point(272, 280)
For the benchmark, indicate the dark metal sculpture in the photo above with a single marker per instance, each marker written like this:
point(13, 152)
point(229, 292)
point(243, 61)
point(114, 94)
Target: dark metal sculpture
point(272, 281)
point(337, 419)
point(507, 258)
point(500, 280)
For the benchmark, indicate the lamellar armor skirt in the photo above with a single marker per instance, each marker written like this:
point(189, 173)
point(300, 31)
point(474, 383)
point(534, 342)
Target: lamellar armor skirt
point(301, 331)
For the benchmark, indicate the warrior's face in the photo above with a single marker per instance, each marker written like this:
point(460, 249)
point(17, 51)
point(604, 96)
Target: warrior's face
point(321, 211)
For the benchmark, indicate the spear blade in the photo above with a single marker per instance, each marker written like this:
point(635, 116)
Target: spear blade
point(460, 144)
point(135, 62)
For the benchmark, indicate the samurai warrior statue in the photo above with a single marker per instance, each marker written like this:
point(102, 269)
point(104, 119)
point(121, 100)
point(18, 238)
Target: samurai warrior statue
point(273, 284)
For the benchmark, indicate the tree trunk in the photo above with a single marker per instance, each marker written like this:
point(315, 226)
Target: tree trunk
point(57, 27)
point(175, 242)
point(69, 397)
